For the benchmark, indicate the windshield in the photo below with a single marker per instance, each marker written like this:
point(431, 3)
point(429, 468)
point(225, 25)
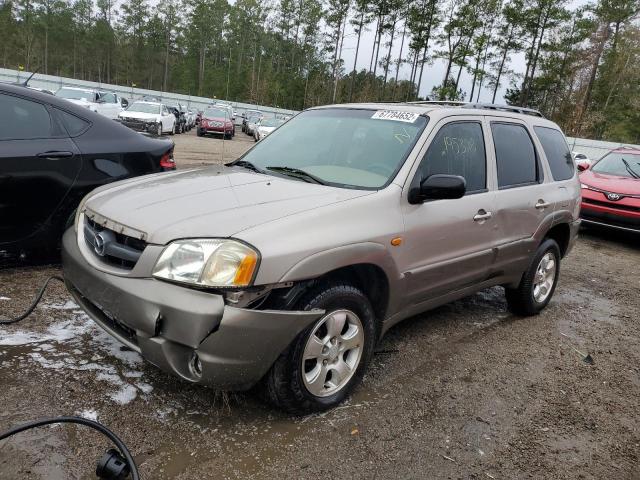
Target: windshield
point(271, 122)
point(144, 108)
point(620, 164)
point(73, 94)
point(342, 147)
point(215, 113)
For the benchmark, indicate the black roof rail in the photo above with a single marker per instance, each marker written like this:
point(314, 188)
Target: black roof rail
point(486, 106)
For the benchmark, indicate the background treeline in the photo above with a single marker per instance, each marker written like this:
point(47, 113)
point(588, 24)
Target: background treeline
point(582, 63)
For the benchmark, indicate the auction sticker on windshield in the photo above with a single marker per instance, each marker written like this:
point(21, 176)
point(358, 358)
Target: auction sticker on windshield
point(395, 115)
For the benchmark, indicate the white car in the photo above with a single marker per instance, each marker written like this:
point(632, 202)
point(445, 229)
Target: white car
point(109, 104)
point(265, 126)
point(151, 117)
point(582, 161)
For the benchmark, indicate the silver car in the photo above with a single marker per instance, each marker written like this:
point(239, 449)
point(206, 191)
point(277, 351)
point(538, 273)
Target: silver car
point(285, 267)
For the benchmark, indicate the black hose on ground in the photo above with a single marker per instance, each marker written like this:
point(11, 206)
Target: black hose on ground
point(34, 304)
point(110, 466)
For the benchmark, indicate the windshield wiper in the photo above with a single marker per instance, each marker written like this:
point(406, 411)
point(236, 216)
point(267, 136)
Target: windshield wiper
point(297, 173)
point(633, 173)
point(244, 164)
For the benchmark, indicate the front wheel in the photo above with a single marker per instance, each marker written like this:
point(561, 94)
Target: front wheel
point(328, 359)
point(538, 282)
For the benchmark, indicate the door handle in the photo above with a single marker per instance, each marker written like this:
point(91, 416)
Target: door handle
point(482, 215)
point(54, 155)
point(542, 204)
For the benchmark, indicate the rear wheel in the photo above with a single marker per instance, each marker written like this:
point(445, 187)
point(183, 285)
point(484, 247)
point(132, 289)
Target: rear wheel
point(538, 282)
point(328, 359)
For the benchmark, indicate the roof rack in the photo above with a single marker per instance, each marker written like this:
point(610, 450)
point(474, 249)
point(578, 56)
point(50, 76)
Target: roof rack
point(485, 106)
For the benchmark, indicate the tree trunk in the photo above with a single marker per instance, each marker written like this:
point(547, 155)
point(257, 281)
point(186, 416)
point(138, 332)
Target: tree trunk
point(355, 60)
point(395, 82)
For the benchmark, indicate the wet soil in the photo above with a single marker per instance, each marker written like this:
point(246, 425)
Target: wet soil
point(465, 391)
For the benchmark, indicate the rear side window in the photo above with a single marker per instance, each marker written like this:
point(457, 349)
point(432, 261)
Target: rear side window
point(23, 119)
point(557, 153)
point(515, 155)
point(458, 149)
point(74, 125)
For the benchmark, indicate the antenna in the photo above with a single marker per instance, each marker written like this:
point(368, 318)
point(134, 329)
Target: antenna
point(26, 82)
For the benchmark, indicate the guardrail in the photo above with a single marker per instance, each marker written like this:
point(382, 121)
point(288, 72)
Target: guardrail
point(53, 83)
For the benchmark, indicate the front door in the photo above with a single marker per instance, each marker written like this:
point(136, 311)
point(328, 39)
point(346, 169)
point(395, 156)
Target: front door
point(449, 243)
point(38, 165)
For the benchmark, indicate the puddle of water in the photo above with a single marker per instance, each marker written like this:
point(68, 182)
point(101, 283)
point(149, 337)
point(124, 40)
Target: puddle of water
point(62, 345)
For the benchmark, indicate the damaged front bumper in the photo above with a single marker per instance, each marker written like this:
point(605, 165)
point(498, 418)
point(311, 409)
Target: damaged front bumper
point(187, 332)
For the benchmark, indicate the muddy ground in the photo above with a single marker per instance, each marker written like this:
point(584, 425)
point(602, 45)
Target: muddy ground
point(465, 391)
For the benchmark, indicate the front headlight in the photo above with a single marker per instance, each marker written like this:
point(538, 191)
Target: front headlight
point(208, 263)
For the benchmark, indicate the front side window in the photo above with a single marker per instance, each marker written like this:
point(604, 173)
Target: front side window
point(515, 155)
point(457, 149)
point(109, 98)
point(23, 119)
point(344, 147)
point(619, 164)
point(557, 152)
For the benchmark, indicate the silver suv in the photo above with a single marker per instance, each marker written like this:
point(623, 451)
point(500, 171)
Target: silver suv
point(285, 267)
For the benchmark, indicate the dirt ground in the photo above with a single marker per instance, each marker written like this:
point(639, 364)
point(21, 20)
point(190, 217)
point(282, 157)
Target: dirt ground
point(466, 391)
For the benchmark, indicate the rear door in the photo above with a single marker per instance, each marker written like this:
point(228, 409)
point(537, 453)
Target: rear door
point(449, 243)
point(523, 199)
point(38, 166)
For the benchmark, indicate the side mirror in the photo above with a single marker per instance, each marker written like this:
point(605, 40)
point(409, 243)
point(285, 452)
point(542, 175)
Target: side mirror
point(124, 102)
point(582, 166)
point(438, 187)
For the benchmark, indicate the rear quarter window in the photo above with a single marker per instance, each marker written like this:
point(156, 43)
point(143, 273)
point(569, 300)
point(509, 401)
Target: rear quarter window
point(515, 155)
point(557, 152)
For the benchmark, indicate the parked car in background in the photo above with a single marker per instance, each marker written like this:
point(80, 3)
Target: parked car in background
point(252, 120)
point(43, 90)
point(109, 104)
point(581, 160)
point(149, 117)
point(265, 126)
point(228, 108)
point(611, 191)
point(178, 111)
point(235, 284)
point(191, 118)
point(216, 120)
point(198, 116)
point(52, 153)
point(246, 115)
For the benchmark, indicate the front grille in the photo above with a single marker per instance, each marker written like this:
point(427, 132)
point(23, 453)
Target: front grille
point(615, 205)
point(112, 247)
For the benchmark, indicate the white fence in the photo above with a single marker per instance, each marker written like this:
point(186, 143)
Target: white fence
point(595, 149)
point(53, 83)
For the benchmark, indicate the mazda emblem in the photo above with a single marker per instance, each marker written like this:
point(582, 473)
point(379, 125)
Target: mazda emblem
point(100, 244)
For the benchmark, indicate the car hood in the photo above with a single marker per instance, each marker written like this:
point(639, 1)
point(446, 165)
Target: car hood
point(208, 202)
point(611, 183)
point(138, 115)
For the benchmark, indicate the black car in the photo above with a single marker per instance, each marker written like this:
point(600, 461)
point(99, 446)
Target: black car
point(52, 153)
point(179, 111)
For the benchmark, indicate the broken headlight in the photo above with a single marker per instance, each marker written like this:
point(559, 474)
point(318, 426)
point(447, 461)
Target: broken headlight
point(208, 263)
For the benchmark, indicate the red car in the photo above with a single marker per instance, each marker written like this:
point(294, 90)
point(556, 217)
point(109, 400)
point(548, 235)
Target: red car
point(611, 191)
point(216, 120)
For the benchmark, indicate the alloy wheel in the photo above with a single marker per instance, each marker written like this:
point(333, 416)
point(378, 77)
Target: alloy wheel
point(332, 353)
point(545, 277)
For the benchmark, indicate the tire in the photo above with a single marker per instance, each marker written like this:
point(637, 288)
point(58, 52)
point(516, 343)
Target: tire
point(286, 385)
point(159, 130)
point(523, 300)
point(200, 132)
